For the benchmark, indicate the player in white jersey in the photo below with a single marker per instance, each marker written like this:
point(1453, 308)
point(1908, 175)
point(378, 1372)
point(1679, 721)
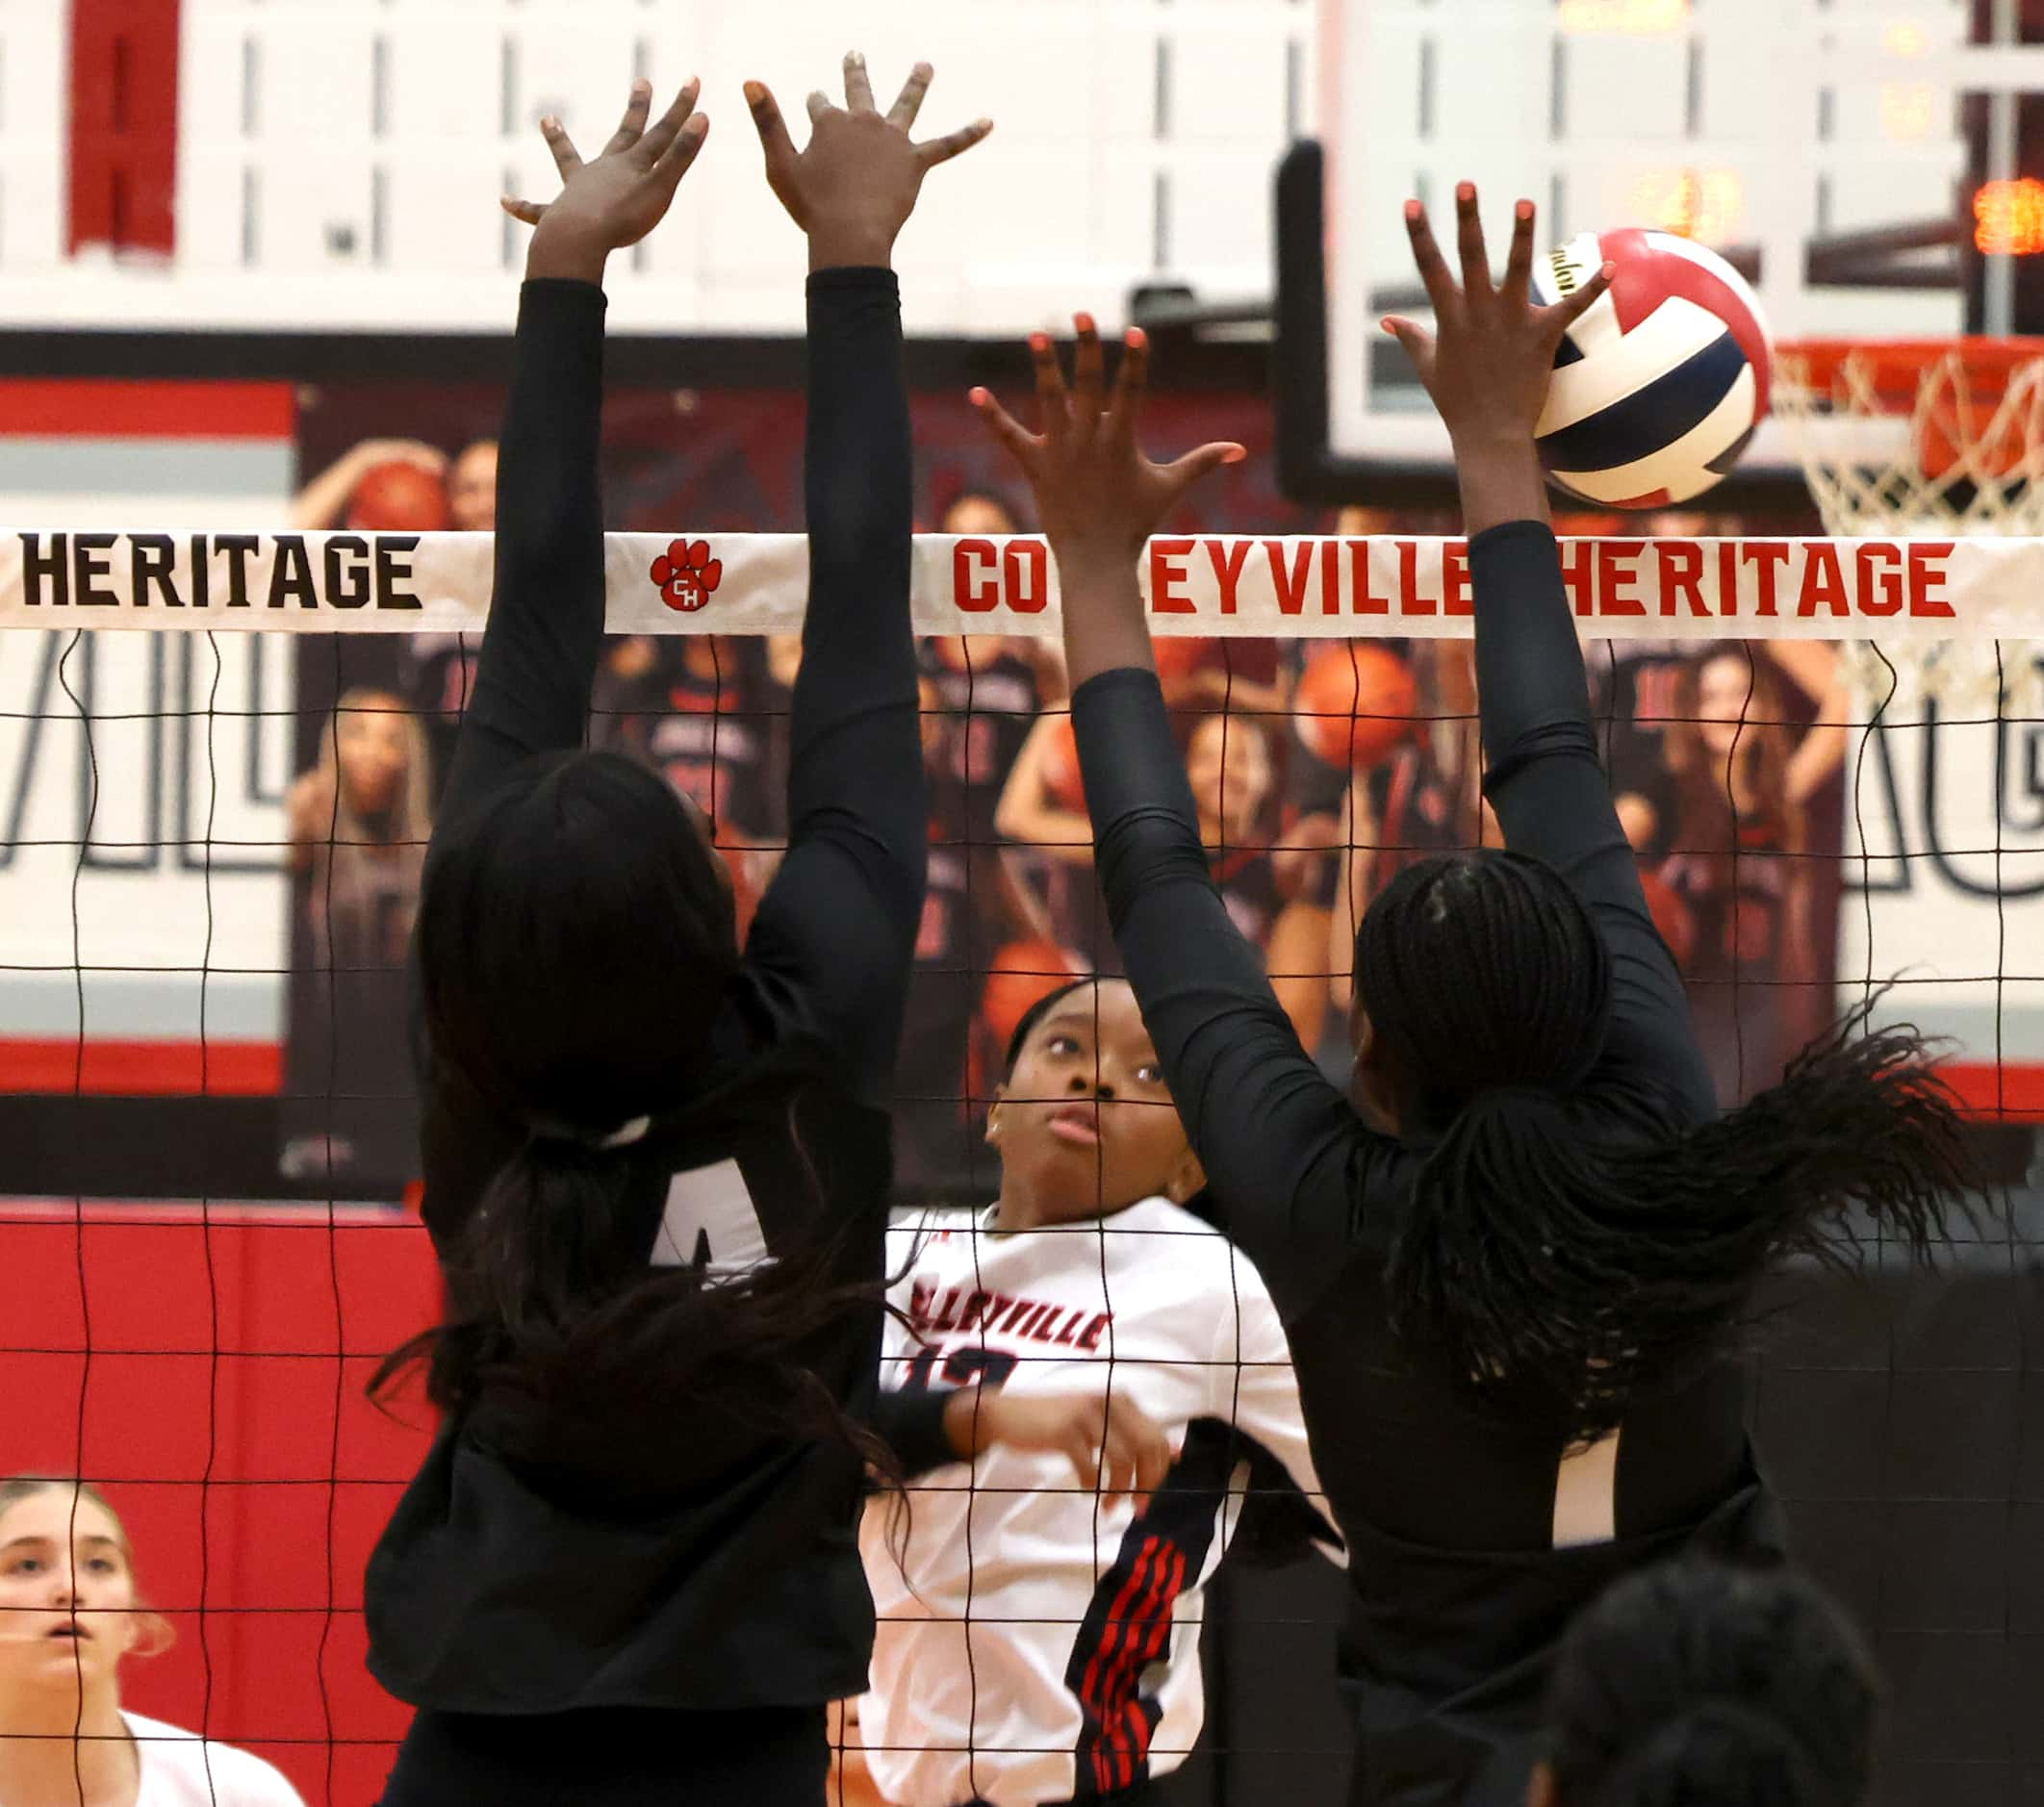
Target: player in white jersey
point(1040, 1641)
point(70, 1615)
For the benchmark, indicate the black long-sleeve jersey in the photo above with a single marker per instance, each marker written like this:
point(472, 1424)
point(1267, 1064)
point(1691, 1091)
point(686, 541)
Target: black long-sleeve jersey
point(709, 1565)
point(1459, 1586)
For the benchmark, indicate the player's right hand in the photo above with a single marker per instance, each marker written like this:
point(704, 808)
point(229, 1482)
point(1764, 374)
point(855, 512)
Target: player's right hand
point(854, 186)
point(1114, 1448)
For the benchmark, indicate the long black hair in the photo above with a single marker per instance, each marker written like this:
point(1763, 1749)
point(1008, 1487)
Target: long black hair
point(1696, 1684)
point(575, 945)
point(1555, 1265)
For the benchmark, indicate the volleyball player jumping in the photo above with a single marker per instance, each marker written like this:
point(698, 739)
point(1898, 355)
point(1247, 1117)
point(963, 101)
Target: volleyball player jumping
point(656, 1167)
point(1039, 1642)
point(1509, 1261)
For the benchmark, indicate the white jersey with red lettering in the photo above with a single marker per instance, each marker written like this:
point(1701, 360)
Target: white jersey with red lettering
point(1036, 1641)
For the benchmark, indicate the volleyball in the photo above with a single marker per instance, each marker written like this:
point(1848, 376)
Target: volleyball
point(1354, 704)
point(1659, 386)
point(398, 497)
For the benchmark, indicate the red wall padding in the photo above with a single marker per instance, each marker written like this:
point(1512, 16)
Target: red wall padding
point(123, 125)
point(153, 1352)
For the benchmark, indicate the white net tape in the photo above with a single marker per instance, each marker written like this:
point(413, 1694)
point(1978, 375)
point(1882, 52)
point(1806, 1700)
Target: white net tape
point(1961, 462)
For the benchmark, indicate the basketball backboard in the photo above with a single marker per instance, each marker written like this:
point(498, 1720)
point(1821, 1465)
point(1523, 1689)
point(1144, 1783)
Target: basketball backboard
point(1828, 146)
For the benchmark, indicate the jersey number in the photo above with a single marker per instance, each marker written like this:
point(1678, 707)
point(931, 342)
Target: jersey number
point(961, 1368)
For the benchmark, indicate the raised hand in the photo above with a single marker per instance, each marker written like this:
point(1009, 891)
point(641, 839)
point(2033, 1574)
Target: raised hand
point(1098, 496)
point(618, 199)
point(852, 187)
point(1488, 361)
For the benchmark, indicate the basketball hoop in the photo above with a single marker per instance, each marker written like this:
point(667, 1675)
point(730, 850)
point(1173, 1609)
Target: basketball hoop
point(1924, 439)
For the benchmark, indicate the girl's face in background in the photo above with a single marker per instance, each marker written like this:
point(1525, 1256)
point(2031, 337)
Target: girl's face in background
point(472, 489)
point(66, 1590)
point(1228, 762)
point(1725, 691)
point(372, 752)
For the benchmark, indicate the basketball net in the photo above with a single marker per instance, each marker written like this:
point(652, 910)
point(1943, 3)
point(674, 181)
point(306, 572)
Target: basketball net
point(1926, 439)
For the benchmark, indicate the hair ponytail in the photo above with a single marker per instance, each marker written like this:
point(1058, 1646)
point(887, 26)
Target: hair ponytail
point(1538, 1257)
point(570, 1344)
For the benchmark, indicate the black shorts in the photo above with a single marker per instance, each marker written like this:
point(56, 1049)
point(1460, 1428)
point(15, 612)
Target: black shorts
point(614, 1757)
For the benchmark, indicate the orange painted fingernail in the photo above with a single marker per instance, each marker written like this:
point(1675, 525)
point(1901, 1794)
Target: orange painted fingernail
point(979, 397)
point(1525, 210)
point(1608, 272)
point(1040, 342)
point(1137, 338)
point(1465, 191)
point(1235, 454)
point(1413, 209)
point(1085, 322)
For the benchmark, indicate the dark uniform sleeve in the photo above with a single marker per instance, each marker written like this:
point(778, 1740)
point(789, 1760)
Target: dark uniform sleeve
point(1299, 1179)
point(1295, 1173)
point(544, 633)
point(1553, 800)
point(911, 1424)
point(838, 922)
point(539, 653)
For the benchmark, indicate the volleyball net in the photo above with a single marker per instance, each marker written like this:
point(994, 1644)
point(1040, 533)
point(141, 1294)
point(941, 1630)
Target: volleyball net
point(220, 760)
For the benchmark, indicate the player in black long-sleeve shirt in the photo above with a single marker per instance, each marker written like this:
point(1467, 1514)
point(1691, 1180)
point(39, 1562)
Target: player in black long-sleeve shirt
point(657, 1166)
point(1508, 1258)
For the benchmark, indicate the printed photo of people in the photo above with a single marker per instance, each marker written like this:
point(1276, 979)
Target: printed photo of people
point(1318, 768)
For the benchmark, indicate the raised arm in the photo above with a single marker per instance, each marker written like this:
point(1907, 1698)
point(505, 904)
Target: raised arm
point(1487, 367)
point(1292, 1168)
point(838, 922)
point(546, 626)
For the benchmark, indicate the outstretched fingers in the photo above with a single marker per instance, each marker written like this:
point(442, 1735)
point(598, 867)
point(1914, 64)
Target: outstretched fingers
point(1131, 383)
point(667, 128)
point(633, 123)
point(1022, 444)
point(566, 158)
point(1585, 299)
point(859, 84)
point(909, 101)
point(1433, 267)
point(1519, 266)
point(1417, 341)
point(1088, 374)
point(1468, 241)
point(1050, 388)
point(941, 150)
point(1202, 462)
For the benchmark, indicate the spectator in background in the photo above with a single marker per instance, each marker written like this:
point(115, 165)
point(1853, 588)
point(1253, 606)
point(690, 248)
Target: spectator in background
point(697, 708)
point(1272, 891)
point(1702, 1685)
point(359, 822)
point(70, 1610)
point(407, 486)
point(1747, 761)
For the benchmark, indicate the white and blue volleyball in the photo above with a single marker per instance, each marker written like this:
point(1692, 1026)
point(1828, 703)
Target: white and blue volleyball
point(1659, 386)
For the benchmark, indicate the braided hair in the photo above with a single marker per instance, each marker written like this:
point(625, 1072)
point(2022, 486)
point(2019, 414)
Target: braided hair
point(576, 942)
point(1699, 1685)
point(1552, 1266)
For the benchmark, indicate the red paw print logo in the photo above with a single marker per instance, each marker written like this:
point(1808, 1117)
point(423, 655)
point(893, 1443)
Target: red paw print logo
point(686, 575)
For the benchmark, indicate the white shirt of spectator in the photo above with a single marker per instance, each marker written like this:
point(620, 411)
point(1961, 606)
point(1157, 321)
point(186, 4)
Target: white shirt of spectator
point(180, 1768)
point(1007, 1552)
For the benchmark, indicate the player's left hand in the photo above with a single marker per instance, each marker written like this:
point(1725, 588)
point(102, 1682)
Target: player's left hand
point(1098, 496)
point(618, 199)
